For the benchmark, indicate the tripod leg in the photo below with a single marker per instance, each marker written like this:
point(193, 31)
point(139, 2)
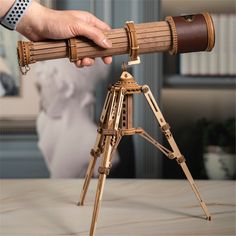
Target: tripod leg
point(168, 153)
point(91, 166)
point(95, 152)
point(87, 180)
point(176, 152)
point(195, 189)
point(104, 171)
point(111, 140)
point(118, 138)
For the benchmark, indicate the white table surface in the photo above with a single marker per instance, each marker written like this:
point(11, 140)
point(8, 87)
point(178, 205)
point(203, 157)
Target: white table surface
point(47, 207)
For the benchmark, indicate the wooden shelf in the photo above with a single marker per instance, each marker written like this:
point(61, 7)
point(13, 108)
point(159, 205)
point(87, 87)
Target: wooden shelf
point(181, 81)
point(17, 126)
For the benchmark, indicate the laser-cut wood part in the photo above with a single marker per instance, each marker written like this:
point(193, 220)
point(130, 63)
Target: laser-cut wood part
point(176, 34)
point(115, 122)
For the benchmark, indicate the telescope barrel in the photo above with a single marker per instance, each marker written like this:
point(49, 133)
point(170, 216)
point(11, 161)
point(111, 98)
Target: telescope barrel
point(179, 34)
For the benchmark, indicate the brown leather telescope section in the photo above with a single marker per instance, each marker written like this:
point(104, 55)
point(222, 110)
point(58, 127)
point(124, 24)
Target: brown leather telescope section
point(192, 33)
point(180, 34)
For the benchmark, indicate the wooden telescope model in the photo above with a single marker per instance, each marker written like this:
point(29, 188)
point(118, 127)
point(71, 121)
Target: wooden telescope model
point(177, 35)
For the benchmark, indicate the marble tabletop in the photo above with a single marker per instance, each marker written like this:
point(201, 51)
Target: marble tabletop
point(47, 207)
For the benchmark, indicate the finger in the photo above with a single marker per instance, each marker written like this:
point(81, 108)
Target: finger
point(94, 34)
point(79, 63)
point(107, 60)
point(87, 61)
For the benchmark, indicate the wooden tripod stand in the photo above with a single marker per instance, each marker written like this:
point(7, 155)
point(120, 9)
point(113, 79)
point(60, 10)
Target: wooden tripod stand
point(116, 121)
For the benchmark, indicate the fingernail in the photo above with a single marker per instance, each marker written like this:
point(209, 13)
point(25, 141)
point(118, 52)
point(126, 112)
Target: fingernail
point(107, 43)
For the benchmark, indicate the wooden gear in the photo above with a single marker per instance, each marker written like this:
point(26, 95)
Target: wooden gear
point(116, 121)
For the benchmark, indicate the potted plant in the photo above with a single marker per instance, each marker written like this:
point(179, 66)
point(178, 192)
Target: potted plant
point(219, 149)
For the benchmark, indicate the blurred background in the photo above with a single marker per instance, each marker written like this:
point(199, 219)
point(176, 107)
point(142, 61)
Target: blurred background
point(196, 93)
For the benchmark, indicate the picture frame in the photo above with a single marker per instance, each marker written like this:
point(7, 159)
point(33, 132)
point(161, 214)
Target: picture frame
point(9, 70)
point(26, 104)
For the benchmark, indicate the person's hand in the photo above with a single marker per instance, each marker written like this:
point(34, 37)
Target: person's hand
point(41, 23)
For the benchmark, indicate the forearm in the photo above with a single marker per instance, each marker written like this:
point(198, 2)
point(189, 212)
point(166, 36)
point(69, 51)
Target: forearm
point(5, 5)
point(37, 23)
point(28, 18)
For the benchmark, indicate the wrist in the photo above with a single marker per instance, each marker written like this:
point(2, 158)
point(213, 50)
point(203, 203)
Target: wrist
point(32, 23)
point(13, 12)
